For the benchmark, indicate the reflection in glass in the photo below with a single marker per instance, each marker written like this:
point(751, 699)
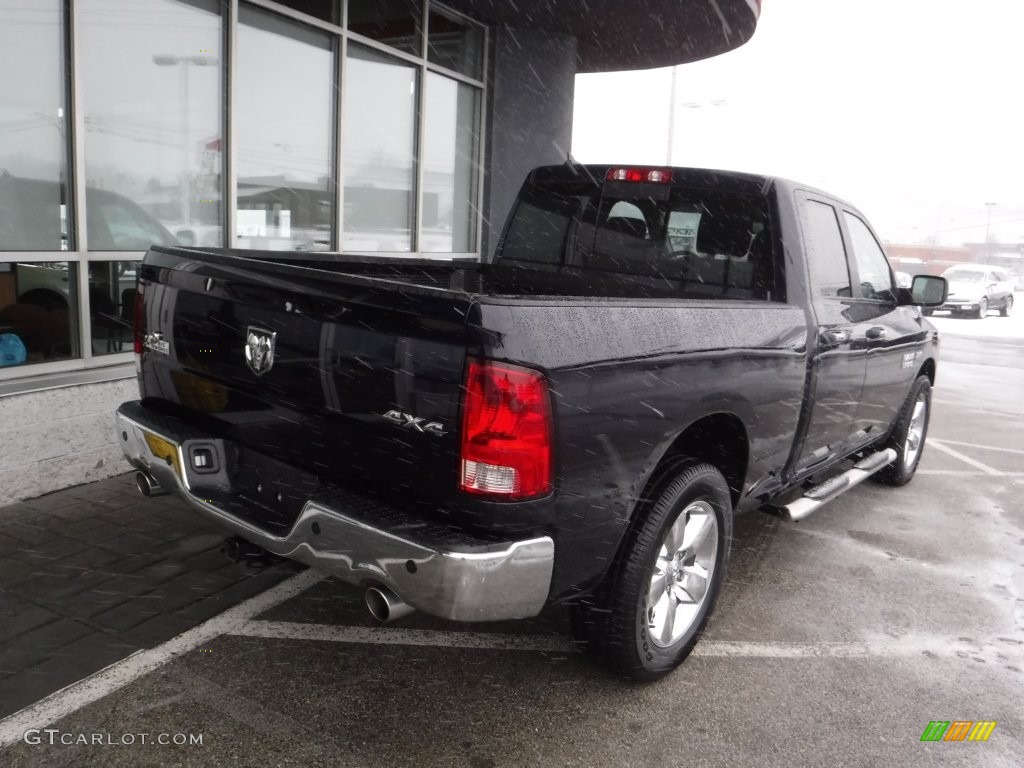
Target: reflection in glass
point(450, 165)
point(112, 288)
point(321, 9)
point(33, 129)
point(379, 153)
point(394, 22)
point(455, 44)
point(283, 102)
point(151, 84)
point(38, 311)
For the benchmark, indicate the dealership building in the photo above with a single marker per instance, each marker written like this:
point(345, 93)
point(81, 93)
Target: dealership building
point(375, 127)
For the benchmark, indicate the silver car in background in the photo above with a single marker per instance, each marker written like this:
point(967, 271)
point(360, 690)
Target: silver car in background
point(974, 289)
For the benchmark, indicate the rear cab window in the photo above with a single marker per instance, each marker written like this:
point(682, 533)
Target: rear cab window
point(640, 240)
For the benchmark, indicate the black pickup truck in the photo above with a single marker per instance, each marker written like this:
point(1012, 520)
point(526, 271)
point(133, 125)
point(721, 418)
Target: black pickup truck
point(575, 422)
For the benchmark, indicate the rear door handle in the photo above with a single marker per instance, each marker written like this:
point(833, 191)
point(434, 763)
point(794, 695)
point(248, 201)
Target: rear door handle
point(878, 332)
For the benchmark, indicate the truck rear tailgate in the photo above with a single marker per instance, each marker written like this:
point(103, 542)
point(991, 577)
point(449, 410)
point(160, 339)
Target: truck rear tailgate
point(353, 379)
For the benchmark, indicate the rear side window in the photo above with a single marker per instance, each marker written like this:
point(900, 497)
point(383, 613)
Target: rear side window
point(823, 241)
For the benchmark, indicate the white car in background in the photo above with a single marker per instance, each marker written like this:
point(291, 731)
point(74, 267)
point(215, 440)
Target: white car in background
point(974, 289)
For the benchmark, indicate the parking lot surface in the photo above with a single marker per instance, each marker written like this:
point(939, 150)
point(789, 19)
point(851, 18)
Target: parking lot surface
point(836, 641)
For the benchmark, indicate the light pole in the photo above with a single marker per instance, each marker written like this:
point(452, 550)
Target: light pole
point(988, 224)
point(671, 118)
point(183, 63)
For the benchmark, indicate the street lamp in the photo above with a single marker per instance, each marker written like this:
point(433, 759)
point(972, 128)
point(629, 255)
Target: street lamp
point(183, 63)
point(988, 224)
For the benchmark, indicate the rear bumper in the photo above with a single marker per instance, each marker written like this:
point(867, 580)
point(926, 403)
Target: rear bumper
point(434, 568)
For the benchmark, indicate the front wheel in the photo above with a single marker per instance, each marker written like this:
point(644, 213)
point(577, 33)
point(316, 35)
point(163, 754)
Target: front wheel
point(909, 434)
point(654, 605)
point(1007, 307)
point(982, 309)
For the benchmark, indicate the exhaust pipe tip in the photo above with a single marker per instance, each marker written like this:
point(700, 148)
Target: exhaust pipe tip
point(385, 605)
point(148, 485)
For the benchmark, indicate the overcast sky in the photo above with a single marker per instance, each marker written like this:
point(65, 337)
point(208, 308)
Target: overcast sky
point(910, 109)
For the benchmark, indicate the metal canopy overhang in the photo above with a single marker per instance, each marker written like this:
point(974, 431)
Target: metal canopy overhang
point(614, 35)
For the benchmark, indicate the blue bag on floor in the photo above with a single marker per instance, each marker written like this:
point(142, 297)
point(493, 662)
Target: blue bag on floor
point(12, 350)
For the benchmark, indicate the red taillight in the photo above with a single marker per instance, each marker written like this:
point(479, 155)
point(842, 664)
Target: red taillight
point(650, 175)
point(138, 320)
point(506, 432)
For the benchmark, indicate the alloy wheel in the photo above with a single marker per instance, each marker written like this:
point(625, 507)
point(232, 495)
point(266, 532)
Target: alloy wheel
point(682, 573)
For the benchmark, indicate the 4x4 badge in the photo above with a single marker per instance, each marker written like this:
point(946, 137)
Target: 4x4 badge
point(408, 421)
point(259, 349)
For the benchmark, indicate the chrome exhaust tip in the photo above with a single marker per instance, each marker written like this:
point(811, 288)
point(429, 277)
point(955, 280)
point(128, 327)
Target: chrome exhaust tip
point(385, 605)
point(148, 485)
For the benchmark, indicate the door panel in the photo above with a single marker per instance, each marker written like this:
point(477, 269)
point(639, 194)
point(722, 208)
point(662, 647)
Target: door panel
point(891, 336)
point(838, 364)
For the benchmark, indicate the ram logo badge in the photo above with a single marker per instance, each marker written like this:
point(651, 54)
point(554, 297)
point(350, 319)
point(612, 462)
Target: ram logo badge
point(259, 349)
point(408, 421)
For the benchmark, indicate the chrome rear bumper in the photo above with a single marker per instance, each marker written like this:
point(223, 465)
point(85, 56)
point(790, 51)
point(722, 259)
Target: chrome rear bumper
point(463, 579)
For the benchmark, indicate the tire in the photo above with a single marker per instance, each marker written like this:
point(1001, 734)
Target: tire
point(1007, 308)
point(909, 434)
point(982, 309)
point(625, 628)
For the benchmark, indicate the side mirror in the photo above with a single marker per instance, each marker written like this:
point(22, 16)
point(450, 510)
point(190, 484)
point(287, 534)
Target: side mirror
point(928, 291)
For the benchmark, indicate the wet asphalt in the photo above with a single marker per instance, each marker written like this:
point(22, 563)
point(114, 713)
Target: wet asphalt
point(835, 642)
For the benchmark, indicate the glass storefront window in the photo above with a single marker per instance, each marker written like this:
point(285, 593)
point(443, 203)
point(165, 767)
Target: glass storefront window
point(397, 23)
point(455, 44)
point(151, 85)
point(112, 288)
point(38, 311)
point(327, 10)
point(284, 105)
point(450, 166)
point(379, 152)
point(33, 127)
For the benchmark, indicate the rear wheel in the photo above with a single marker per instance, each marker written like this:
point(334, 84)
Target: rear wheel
point(909, 434)
point(1007, 307)
point(982, 309)
point(655, 602)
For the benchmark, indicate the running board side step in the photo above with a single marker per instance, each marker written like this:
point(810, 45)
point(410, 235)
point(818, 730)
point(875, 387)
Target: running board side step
point(815, 497)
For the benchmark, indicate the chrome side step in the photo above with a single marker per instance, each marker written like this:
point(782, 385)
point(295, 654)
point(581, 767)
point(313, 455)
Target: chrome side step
point(814, 497)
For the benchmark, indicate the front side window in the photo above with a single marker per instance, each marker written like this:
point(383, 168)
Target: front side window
point(823, 244)
point(33, 127)
point(875, 275)
point(153, 135)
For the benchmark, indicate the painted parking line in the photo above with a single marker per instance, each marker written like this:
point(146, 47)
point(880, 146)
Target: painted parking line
point(394, 636)
point(973, 409)
point(965, 459)
point(876, 647)
point(931, 646)
point(978, 445)
point(90, 689)
point(966, 473)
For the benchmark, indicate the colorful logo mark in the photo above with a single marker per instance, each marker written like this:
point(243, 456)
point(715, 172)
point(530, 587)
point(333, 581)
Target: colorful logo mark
point(958, 730)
